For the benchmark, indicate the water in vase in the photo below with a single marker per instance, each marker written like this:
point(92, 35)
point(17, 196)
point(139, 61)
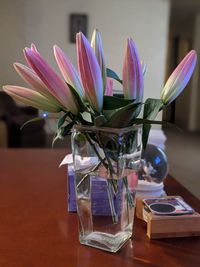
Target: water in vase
point(106, 211)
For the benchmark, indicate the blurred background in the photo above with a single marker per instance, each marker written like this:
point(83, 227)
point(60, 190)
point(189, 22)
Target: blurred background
point(163, 30)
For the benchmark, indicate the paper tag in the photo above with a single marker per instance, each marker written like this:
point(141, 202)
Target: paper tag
point(68, 159)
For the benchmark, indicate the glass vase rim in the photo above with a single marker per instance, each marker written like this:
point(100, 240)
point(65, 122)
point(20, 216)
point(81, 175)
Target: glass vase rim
point(107, 129)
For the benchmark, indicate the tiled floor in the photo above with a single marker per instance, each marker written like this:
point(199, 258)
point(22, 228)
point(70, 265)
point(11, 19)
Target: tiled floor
point(183, 151)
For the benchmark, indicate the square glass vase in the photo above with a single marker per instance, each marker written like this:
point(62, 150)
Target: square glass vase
point(106, 161)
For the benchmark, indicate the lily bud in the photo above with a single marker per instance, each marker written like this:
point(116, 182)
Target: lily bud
point(33, 47)
point(179, 78)
point(56, 86)
point(133, 84)
point(90, 73)
point(29, 76)
point(68, 71)
point(31, 98)
point(96, 43)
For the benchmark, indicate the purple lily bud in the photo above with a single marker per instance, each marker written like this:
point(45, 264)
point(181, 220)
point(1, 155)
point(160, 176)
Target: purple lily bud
point(90, 73)
point(133, 84)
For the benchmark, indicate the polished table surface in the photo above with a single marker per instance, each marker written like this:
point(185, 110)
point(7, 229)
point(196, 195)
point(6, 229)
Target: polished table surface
point(37, 231)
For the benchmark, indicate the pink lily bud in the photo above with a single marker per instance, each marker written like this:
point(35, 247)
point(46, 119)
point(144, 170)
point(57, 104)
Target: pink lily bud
point(179, 78)
point(31, 98)
point(29, 76)
point(96, 43)
point(109, 87)
point(33, 47)
point(56, 86)
point(90, 73)
point(68, 71)
point(133, 84)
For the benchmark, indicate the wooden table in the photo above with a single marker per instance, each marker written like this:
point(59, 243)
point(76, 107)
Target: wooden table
point(36, 229)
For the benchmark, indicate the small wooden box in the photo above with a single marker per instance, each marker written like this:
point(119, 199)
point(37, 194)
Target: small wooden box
point(168, 226)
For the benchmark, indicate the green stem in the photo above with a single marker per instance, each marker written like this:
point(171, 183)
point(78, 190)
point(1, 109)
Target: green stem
point(112, 207)
point(87, 175)
point(129, 197)
point(96, 151)
point(127, 207)
point(111, 170)
point(111, 186)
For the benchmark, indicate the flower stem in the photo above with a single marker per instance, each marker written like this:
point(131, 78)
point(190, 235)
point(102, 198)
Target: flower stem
point(110, 196)
point(129, 197)
point(87, 175)
point(96, 151)
point(111, 185)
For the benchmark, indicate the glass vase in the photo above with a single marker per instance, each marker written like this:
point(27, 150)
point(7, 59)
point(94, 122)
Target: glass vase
point(105, 163)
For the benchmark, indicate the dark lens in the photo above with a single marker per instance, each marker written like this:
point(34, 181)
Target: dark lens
point(162, 207)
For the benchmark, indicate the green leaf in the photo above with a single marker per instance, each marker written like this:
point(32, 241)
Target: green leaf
point(108, 113)
point(145, 134)
point(99, 121)
point(32, 120)
point(113, 102)
point(62, 132)
point(146, 128)
point(61, 121)
point(111, 74)
point(122, 117)
point(151, 108)
point(78, 98)
point(66, 130)
point(84, 119)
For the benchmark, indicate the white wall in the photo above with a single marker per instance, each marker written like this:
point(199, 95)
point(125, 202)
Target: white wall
point(116, 20)
point(12, 33)
point(195, 93)
point(45, 22)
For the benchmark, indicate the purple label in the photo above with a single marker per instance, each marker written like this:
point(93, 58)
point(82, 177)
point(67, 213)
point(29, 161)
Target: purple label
point(99, 197)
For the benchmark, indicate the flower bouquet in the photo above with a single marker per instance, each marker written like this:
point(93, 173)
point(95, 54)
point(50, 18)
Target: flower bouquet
point(108, 132)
